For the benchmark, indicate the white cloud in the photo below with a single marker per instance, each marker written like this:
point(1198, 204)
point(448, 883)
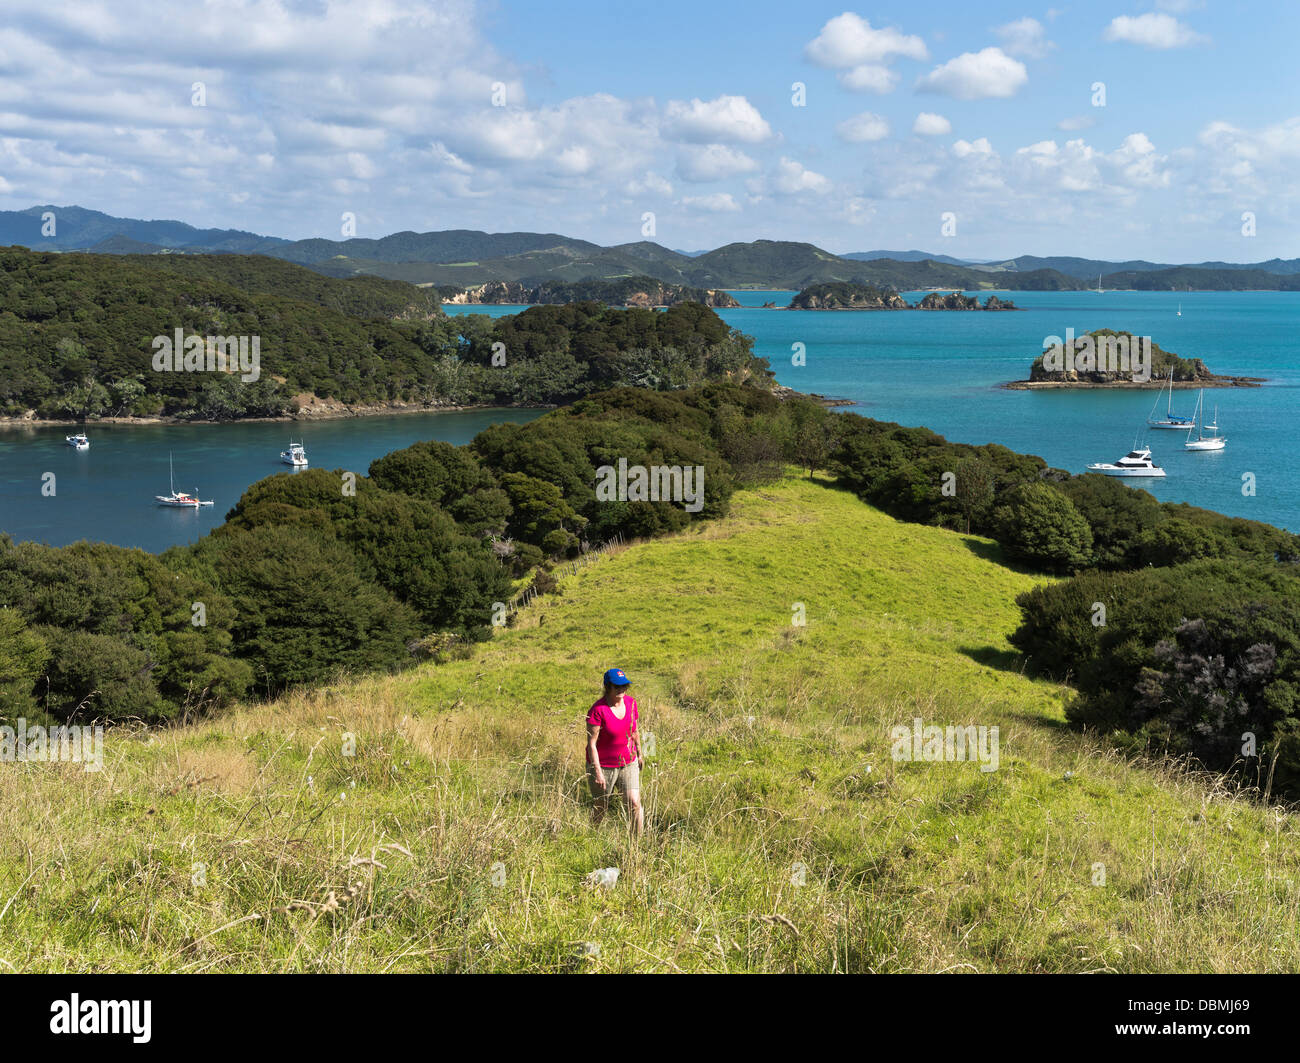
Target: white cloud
point(1076, 122)
point(791, 178)
point(928, 124)
point(1151, 31)
point(728, 119)
point(1140, 163)
point(649, 183)
point(850, 40)
point(870, 77)
point(863, 128)
point(717, 203)
point(963, 148)
point(1025, 36)
point(985, 74)
point(712, 162)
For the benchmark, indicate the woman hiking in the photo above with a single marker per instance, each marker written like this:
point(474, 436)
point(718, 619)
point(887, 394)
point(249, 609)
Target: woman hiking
point(613, 750)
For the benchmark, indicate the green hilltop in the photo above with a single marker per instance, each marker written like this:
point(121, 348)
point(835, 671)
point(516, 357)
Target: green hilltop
point(782, 836)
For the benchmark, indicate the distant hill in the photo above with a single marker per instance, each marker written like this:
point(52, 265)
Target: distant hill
point(908, 256)
point(364, 297)
point(452, 245)
point(76, 228)
point(1186, 278)
point(464, 258)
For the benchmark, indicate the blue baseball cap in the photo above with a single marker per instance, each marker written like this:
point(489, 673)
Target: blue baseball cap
point(616, 677)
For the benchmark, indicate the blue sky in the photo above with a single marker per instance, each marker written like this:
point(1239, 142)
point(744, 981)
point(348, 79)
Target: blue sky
point(582, 117)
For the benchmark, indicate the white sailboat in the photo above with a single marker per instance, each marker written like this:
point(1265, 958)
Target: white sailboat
point(1182, 424)
point(178, 498)
point(1180, 310)
point(1099, 289)
point(294, 456)
point(1202, 441)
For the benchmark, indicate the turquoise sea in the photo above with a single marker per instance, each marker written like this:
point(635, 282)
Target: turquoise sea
point(942, 369)
point(107, 493)
point(938, 369)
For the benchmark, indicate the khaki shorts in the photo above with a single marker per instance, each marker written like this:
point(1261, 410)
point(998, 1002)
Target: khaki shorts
point(626, 778)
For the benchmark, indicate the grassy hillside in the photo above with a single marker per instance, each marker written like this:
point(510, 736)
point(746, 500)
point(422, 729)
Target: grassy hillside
point(772, 750)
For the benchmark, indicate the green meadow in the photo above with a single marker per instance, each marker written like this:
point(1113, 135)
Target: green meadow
point(436, 820)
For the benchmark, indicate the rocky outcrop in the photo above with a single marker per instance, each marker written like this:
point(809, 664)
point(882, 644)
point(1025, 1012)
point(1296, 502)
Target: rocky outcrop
point(957, 301)
point(854, 295)
point(847, 296)
point(1106, 358)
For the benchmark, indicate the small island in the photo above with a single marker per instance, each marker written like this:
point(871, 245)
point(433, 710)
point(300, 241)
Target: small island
point(853, 295)
point(1107, 358)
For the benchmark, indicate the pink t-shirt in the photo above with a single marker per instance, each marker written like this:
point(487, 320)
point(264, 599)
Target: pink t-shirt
point(616, 743)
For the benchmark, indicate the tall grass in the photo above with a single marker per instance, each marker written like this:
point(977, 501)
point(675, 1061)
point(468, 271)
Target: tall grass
point(781, 836)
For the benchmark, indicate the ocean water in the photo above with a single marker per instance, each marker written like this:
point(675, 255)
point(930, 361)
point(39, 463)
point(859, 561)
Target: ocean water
point(940, 369)
point(107, 493)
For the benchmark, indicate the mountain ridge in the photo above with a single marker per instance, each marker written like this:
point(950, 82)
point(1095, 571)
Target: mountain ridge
point(468, 257)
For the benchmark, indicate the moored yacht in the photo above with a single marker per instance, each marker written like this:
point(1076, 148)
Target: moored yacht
point(79, 441)
point(1169, 420)
point(1214, 441)
point(1136, 462)
point(178, 498)
point(295, 455)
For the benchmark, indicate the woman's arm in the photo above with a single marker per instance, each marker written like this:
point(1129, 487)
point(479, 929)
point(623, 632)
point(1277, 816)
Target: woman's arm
point(593, 729)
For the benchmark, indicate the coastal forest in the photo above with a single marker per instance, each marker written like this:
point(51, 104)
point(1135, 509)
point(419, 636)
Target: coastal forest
point(76, 339)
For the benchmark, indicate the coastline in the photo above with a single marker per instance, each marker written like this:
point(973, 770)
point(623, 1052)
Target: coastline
point(1134, 385)
point(320, 412)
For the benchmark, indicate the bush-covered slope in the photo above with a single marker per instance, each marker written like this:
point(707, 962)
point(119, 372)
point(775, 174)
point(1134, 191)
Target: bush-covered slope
point(781, 835)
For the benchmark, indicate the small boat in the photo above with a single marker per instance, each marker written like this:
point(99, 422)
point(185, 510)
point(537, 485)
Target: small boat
point(1100, 290)
point(179, 498)
point(1136, 462)
point(1202, 441)
point(78, 442)
point(295, 455)
point(1180, 310)
point(1182, 424)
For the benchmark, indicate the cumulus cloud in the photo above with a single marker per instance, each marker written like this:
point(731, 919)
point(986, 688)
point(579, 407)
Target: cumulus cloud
point(931, 125)
point(850, 40)
point(863, 128)
point(728, 119)
point(1025, 36)
point(1151, 30)
point(791, 178)
point(989, 73)
point(870, 77)
point(712, 162)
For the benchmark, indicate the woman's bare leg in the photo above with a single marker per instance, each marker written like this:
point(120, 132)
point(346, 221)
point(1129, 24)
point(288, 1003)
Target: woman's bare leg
point(637, 813)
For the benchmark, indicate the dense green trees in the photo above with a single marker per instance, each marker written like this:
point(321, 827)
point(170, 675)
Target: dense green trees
point(1041, 526)
point(1200, 658)
point(76, 341)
